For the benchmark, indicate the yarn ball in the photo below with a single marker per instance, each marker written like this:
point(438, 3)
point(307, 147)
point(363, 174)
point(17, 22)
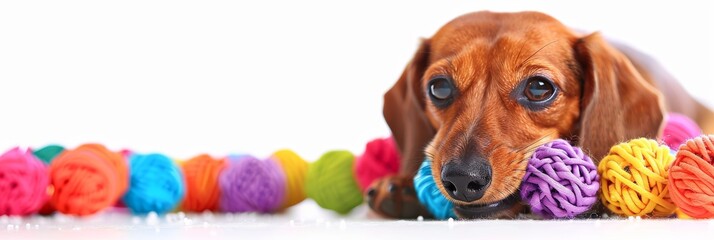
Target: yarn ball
point(380, 159)
point(48, 153)
point(429, 194)
point(634, 176)
point(560, 181)
point(155, 184)
point(202, 191)
point(87, 179)
point(23, 183)
point(691, 177)
point(295, 170)
point(331, 182)
point(678, 129)
point(251, 185)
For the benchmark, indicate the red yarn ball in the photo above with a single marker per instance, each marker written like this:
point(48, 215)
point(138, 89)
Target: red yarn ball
point(23, 183)
point(380, 159)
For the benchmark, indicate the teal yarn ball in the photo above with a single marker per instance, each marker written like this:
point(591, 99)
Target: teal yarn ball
point(429, 194)
point(156, 184)
point(48, 153)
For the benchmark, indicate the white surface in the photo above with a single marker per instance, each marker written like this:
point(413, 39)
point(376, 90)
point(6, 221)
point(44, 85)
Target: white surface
point(295, 225)
point(186, 77)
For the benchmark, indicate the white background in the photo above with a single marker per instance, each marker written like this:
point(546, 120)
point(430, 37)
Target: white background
point(186, 77)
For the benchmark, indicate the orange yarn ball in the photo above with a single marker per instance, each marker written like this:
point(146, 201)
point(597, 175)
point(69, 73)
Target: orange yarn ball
point(202, 191)
point(87, 179)
point(691, 177)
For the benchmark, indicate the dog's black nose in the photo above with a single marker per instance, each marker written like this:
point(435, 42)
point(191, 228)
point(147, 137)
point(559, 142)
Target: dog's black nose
point(466, 180)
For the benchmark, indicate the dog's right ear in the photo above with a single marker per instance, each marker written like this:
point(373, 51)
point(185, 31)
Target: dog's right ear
point(404, 111)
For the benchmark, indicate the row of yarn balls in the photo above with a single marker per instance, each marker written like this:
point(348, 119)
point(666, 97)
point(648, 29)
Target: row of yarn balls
point(641, 177)
point(91, 178)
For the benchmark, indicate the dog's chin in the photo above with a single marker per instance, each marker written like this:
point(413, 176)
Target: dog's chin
point(508, 207)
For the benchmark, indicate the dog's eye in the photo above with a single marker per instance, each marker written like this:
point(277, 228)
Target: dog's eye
point(441, 91)
point(440, 88)
point(539, 89)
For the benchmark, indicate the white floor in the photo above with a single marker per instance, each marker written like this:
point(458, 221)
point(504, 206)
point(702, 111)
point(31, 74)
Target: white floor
point(308, 221)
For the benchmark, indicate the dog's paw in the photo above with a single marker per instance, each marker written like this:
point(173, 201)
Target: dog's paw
point(395, 197)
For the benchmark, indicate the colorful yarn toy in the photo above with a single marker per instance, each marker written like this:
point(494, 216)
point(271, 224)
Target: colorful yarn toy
point(331, 182)
point(634, 176)
point(295, 170)
point(380, 159)
point(251, 185)
point(87, 179)
point(202, 191)
point(691, 178)
point(156, 184)
point(23, 183)
point(560, 181)
point(429, 194)
point(678, 129)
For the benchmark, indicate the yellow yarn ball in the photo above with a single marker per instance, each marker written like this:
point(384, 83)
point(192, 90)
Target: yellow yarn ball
point(633, 177)
point(295, 169)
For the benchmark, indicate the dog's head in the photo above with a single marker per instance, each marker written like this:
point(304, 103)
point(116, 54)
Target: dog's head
point(488, 88)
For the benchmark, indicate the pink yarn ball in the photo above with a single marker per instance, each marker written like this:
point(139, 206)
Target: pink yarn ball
point(23, 182)
point(380, 159)
point(678, 129)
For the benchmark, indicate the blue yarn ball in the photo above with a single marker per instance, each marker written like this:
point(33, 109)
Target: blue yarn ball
point(429, 195)
point(156, 184)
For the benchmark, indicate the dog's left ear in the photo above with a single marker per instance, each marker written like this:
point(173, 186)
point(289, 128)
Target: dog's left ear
point(404, 111)
point(617, 103)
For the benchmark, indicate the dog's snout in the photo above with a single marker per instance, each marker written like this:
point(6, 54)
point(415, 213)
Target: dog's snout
point(466, 180)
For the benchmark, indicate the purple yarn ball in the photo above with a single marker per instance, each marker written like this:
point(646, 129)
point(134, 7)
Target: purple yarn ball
point(251, 185)
point(560, 181)
point(678, 129)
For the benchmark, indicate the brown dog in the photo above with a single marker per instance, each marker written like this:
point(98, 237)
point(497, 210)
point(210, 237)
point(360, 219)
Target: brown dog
point(488, 88)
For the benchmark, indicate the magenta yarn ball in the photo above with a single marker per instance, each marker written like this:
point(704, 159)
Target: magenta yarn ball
point(678, 129)
point(560, 181)
point(23, 183)
point(251, 185)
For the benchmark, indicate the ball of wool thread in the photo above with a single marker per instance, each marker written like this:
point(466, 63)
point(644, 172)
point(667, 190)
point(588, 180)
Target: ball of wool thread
point(560, 181)
point(202, 191)
point(331, 182)
point(691, 177)
point(87, 179)
point(23, 183)
point(295, 170)
point(429, 194)
point(251, 185)
point(48, 153)
point(155, 184)
point(633, 179)
point(678, 129)
point(380, 159)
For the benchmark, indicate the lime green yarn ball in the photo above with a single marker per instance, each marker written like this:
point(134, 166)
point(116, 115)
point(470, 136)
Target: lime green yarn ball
point(331, 182)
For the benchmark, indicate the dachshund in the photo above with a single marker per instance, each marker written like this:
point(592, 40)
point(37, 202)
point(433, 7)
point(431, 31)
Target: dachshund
point(488, 88)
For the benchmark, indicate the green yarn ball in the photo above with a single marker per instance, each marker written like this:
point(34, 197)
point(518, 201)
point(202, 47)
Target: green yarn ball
point(49, 152)
point(331, 182)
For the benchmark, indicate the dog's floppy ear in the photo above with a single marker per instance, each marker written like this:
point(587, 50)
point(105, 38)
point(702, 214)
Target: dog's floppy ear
point(617, 103)
point(404, 111)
